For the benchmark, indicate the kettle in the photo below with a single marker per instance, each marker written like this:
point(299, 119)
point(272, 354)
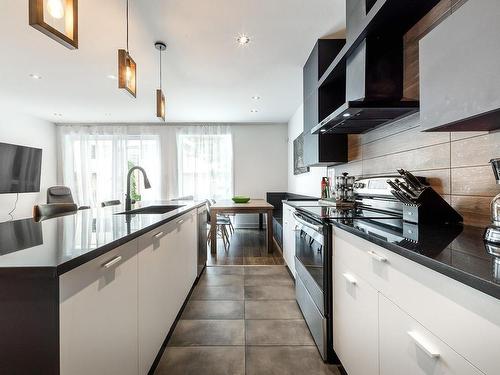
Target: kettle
point(492, 233)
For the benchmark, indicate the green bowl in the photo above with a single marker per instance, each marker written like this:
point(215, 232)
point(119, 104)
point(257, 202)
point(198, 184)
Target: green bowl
point(240, 199)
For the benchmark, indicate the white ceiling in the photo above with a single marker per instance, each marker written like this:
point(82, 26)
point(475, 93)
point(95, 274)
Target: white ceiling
point(207, 76)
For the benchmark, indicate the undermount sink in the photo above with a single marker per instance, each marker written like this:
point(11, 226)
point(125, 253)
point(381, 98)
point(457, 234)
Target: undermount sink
point(151, 210)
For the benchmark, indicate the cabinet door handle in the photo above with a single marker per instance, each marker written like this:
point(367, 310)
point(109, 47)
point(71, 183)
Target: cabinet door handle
point(350, 278)
point(377, 257)
point(158, 235)
point(112, 262)
point(180, 221)
point(420, 341)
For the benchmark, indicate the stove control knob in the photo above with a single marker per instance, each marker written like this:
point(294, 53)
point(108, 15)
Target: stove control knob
point(359, 185)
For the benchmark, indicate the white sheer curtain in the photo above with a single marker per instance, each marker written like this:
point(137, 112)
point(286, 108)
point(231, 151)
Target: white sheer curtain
point(205, 161)
point(94, 161)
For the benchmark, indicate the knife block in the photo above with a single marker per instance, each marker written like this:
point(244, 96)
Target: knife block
point(430, 208)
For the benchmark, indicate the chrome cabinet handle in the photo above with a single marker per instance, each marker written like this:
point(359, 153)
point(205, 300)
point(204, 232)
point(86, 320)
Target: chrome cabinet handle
point(350, 278)
point(158, 235)
point(420, 341)
point(112, 262)
point(180, 221)
point(377, 257)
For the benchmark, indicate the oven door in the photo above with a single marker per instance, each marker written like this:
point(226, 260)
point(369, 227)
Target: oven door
point(311, 285)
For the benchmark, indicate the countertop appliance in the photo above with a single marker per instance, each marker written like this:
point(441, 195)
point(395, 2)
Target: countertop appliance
point(202, 239)
point(492, 234)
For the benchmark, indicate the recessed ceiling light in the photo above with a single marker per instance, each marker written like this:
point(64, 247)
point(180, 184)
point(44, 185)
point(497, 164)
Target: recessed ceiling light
point(57, 114)
point(323, 130)
point(243, 39)
point(111, 76)
point(256, 97)
point(35, 76)
point(254, 110)
point(346, 114)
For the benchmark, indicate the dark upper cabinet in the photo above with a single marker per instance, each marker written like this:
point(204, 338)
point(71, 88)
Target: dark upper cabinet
point(321, 148)
point(459, 70)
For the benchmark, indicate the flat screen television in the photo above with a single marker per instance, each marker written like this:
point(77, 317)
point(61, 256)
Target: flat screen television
point(20, 169)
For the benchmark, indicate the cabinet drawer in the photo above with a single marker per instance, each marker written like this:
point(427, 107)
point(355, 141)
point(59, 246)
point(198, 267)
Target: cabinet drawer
point(355, 322)
point(406, 347)
point(464, 318)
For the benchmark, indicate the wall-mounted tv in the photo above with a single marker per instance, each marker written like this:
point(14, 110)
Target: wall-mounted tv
point(20, 169)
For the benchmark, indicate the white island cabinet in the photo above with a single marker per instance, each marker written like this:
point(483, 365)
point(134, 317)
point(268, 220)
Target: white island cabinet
point(117, 310)
point(98, 315)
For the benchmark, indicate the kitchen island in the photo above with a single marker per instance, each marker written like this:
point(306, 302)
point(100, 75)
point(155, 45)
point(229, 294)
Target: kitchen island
point(96, 291)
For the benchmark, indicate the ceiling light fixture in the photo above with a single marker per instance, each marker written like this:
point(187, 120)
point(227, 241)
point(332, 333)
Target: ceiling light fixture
point(160, 97)
point(256, 97)
point(58, 19)
point(127, 68)
point(57, 114)
point(346, 115)
point(254, 110)
point(35, 76)
point(243, 39)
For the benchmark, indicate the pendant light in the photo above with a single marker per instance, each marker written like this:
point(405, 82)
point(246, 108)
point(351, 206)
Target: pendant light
point(160, 97)
point(58, 19)
point(127, 68)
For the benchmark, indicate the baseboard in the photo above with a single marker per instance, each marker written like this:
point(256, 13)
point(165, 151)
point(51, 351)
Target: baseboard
point(171, 331)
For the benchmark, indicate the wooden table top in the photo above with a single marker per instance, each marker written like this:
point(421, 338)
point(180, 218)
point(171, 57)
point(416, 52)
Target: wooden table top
point(251, 205)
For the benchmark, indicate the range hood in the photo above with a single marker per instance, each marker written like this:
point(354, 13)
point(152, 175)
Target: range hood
point(373, 88)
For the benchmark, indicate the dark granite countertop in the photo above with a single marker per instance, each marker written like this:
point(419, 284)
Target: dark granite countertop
point(457, 251)
point(60, 244)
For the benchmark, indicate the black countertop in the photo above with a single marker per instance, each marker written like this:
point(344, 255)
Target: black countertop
point(60, 244)
point(457, 251)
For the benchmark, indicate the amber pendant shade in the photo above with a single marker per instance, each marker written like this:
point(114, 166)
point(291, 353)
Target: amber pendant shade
point(57, 19)
point(127, 73)
point(160, 104)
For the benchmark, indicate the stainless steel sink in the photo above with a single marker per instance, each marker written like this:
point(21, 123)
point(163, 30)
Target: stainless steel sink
point(158, 210)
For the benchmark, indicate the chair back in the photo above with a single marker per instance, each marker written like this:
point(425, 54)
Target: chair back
point(59, 194)
point(184, 198)
point(110, 203)
point(47, 211)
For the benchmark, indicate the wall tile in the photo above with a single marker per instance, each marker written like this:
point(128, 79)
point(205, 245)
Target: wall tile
point(475, 151)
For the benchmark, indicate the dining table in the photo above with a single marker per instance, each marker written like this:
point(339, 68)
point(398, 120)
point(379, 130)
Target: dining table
point(253, 206)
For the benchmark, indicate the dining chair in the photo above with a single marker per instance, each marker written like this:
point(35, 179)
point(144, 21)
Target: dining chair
point(62, 194)
point(110, 203)
point(50, 210)
point(222, 223)
point(227, 216)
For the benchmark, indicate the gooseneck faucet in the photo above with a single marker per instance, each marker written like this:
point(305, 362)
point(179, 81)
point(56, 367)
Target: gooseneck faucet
point(147, 185)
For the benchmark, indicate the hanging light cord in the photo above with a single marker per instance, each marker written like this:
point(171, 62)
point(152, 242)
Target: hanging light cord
point(160, 68)
point(15, 206)
point(127, 25)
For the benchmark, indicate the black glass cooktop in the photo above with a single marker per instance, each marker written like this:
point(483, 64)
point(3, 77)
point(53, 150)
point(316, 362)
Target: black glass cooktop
point(331, 212)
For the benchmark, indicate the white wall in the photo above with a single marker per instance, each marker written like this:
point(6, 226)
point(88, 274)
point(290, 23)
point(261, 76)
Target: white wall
point(29, 131)
point(260, 162)
point(306, 183)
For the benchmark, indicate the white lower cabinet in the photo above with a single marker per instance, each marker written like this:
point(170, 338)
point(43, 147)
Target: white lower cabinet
point(289, 237)
point(355, 322)
point(406, 347)
point(98, 315)
point(167, 270)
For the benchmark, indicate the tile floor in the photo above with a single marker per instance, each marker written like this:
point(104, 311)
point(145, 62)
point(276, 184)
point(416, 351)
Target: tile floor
point(243, 320)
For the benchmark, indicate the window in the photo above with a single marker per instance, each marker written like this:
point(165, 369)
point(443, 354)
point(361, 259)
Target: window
point(95, 166)
point(205, 163)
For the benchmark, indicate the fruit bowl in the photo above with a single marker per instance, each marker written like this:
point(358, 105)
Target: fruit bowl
point(240, 199)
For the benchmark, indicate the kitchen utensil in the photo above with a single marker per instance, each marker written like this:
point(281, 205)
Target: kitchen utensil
point(411, 180)
point(405, 188)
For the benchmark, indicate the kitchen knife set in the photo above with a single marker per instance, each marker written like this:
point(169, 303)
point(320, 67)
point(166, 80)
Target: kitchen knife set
point(421, 203)
point(407, 190)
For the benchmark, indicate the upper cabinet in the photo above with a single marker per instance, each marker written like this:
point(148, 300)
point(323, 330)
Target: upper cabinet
point(459, 70)
point(322, 148)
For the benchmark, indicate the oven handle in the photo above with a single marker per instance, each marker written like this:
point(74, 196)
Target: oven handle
point(317, 228)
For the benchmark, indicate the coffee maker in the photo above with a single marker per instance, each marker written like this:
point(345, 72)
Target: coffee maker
point(492, 234)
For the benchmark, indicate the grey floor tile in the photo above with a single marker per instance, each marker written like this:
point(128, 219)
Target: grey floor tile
point(276, 292)
point(224, 270)
point(272, 310)
point(208, 332)
point(196, 309)
point(268, 280)
point(221, 280)
point(229, 293)
point(286, 360)
point(277, 332)
point(266, 270)
point(203, 360)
